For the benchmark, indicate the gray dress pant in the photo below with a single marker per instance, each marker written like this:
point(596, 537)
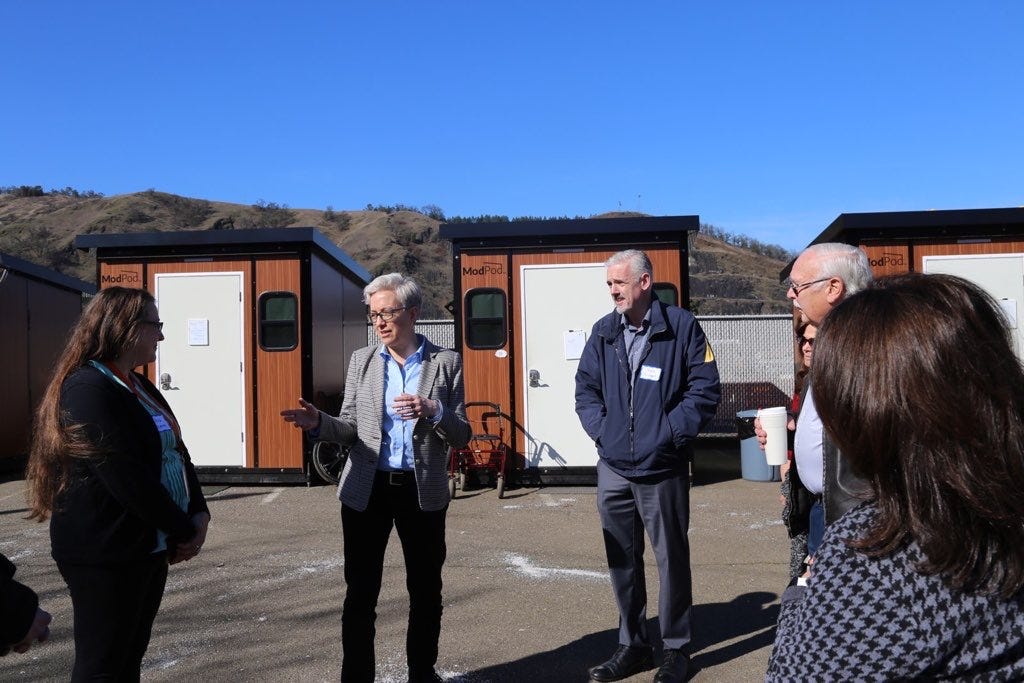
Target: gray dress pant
point(662, 507)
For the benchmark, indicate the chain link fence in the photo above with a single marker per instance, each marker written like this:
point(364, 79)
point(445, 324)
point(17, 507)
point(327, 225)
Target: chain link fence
point(754, 353)
point(755, 364)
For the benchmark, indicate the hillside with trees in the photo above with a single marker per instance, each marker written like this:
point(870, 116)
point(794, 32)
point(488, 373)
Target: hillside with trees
point(729, 274)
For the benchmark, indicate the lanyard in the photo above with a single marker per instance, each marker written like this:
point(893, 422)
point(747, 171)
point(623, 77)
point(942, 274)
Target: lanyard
point(133, 384)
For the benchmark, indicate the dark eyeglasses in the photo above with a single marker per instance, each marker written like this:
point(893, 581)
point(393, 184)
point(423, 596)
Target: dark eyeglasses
point(157, 323)
point(799, 288)
point(387, 315)
point(805, 340)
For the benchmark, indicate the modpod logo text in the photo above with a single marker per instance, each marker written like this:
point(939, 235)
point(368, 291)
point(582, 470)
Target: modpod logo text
point(125, 277)
point(888, 259)
point(488, 268)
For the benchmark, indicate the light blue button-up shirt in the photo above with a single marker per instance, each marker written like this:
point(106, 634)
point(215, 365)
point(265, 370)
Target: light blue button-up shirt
point(396, 440)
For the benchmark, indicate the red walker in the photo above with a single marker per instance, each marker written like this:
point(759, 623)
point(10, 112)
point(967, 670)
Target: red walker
point(486, 450)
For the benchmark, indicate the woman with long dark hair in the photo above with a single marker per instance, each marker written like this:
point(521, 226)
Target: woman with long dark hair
point(109, 469)
point(917, 381)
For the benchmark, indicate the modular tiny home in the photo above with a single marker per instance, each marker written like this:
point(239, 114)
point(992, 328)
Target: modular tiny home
point(985, 246)
point(527, 296)
point(38, 306)
point(253, 319)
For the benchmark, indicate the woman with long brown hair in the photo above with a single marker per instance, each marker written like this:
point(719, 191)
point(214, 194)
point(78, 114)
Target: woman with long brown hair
point(917, 381)
point(109, 469)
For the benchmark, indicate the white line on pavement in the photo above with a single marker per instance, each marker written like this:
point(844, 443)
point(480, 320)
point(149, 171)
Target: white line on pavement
point(269, 498)
point(524, 565)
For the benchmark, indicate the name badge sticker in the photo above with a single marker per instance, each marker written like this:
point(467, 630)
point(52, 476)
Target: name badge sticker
point(650, 372)
point(161, 423)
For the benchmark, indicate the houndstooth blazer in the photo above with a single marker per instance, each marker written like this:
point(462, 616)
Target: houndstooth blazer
point(359, 425)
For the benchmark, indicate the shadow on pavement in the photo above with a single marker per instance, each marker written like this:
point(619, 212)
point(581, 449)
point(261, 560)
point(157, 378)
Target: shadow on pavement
point(715, 459)
point(750, 617)
point(569, 662)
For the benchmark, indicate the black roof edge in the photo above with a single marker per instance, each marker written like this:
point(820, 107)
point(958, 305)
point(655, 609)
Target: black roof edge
point(918, 225)
point(569, 226)
point(48, 275)
point(913, 222)
point(199, 238)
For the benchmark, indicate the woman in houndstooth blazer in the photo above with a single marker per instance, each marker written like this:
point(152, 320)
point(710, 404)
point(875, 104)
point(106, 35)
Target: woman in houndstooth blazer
point(403, 409)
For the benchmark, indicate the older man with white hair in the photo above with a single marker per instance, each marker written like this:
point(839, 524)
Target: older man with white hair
point(821, 277)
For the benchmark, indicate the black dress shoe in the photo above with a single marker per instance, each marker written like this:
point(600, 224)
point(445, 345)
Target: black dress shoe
point(624, 663)
point(429, 676)
point(674, 667)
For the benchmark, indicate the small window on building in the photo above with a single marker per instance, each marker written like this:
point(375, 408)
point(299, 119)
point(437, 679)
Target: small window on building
point(667, 293)
point(279, 321)
point(486, 326)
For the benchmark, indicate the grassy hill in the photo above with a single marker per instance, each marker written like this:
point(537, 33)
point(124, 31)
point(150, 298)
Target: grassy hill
point(725, 279)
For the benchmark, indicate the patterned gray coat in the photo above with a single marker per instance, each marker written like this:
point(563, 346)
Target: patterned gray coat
point(360, 421)
point(865, 619)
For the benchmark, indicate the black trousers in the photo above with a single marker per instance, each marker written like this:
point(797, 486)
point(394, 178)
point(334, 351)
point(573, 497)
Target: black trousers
point(366, 538)
point(114, 609)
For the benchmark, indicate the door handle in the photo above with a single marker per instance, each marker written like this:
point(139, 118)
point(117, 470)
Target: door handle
point(165, 382)
point(534, 378)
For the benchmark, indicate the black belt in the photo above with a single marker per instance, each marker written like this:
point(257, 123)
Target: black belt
point(396, 477)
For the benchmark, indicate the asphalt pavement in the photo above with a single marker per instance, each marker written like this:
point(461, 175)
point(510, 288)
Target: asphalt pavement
point(527, 596)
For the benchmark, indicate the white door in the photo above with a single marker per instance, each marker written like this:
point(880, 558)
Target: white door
point(1001, 275)
point(199, 363)
point(560, 305)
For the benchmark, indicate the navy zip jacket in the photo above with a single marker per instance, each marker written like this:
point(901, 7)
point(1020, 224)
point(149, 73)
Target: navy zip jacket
point(646, 429)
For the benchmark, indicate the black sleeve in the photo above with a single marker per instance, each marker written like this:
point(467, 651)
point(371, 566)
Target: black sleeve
point(18, 605)
point(117, 425)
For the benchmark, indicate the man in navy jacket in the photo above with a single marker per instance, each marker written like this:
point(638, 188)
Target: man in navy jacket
point(646, 384)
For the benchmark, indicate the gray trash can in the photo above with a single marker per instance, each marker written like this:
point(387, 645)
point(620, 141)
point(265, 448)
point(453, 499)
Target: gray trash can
point(753, 466)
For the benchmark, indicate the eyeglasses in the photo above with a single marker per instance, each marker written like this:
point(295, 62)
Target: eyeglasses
point(156, 323)
point(799, 288)
point(387, 315)
point(806, 340)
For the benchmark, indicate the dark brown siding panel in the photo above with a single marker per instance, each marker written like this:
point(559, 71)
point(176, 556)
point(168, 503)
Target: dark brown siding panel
point(280, 376)
point(486, 372)
point(326, 347)
point(53, 313)
point(354, 322)
point(14, 372)
point(887, 259)
point(122, 275)
point(36, 320)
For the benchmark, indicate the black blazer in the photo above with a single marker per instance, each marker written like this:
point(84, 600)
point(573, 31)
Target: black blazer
point(114, 503)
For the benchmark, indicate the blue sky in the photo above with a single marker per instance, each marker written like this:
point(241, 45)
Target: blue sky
point(765, 118)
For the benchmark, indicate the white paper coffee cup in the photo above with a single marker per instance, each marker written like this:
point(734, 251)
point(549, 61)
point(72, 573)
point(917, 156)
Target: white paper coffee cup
point(773, 421)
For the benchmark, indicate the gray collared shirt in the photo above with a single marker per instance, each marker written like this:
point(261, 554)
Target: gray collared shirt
point(635, 340)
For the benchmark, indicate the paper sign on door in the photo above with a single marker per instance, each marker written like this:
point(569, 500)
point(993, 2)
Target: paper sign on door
point(573, 342)
point(198, 332)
